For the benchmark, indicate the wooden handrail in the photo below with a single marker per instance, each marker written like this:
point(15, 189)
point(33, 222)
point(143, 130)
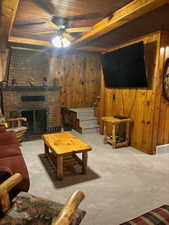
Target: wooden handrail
point(17, 119)
point(11, 182)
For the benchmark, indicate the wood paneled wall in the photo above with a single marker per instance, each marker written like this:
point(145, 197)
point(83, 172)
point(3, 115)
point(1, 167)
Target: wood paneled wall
point(78, 74)
point(143, 105)
point(163, 123)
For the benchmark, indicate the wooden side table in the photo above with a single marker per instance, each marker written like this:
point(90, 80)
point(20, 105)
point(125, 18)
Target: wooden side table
point(114, 123)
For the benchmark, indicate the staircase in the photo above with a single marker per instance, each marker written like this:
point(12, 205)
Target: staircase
point(86, 122)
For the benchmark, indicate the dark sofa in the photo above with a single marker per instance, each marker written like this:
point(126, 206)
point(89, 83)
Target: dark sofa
point(11, 159)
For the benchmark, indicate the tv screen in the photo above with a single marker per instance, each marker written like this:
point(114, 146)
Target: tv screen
point(125, 67)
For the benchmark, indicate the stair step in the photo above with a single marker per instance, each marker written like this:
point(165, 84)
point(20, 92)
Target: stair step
point(89, 126)
point(90, 130)
point(85, 113)
point(89, 123)
point(84, 118)
point(82, 110)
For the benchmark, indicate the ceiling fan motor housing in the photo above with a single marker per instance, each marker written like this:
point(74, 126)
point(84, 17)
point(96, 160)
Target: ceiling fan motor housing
point(61, 22)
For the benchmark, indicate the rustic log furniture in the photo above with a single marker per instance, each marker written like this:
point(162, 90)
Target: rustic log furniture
point(16, 124)
point(29, 209)
point(113, 123)
point(64, 146)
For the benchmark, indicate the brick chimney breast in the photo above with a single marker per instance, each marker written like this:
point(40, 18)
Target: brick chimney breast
point(28, 79)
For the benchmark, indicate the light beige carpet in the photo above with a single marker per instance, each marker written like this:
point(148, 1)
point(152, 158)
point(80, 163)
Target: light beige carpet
point(120, 184)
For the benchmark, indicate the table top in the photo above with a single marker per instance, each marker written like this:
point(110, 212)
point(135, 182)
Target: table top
point(112, 119)
point(65, 142)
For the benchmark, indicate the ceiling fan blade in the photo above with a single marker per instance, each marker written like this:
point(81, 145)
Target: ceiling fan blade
point(68, 36)
point(54, 26)
point(43, 32)
point(78, 29)
point(28, 24)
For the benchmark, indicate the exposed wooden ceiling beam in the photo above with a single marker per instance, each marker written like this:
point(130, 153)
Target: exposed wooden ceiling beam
point(122, 16)
point(27, 41)
point(21, 40)
point(7, 16)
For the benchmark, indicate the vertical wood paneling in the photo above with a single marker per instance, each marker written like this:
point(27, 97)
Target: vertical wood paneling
point(78, 75)
point(163, 130)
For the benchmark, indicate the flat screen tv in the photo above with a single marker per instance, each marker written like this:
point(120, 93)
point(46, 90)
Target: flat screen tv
point(125, 67)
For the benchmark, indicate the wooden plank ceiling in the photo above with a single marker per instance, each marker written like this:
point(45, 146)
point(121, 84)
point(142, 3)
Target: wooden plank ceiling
point(7, 15)
point(32, 11)
point(111, 21)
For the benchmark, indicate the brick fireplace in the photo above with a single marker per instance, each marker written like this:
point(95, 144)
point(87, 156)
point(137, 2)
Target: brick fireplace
point(31, 92)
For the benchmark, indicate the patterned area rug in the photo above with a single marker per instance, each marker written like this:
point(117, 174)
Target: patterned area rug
point(159, 216)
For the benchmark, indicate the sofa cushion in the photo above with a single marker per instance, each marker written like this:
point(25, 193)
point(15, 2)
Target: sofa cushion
point(8, 137)
point(28, 209)
point(2, 129)
point(9, 150)
point(159, 216)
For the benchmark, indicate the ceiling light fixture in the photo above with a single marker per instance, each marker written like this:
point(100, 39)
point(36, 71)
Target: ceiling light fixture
point(60, 42)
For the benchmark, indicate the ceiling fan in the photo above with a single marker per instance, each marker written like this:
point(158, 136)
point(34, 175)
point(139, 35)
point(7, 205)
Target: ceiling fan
point(61, 26)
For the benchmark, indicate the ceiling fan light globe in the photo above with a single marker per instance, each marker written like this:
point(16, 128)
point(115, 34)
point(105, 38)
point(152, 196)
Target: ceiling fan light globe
point(62, 26)
point(60, 42)
point(57, 42)
point(66, 42)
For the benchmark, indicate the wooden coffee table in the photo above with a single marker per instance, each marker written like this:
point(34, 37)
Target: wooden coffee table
point(62, 148)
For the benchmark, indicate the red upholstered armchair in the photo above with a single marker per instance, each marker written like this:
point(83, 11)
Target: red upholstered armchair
point(11, 159)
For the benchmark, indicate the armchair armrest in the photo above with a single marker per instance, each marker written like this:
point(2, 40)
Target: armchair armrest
point(65, 216)
point(13, 121)
point(5, 187)
point(17, 119)
point(4, 124)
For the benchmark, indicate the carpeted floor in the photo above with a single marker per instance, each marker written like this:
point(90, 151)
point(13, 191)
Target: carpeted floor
point(120, 184)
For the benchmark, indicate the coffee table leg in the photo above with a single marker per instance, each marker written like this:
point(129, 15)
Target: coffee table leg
point(46, 149)
point(60, 167)
point(84, 162)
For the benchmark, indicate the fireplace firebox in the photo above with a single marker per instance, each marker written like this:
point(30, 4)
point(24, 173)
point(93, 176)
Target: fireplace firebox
point(37, 120)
